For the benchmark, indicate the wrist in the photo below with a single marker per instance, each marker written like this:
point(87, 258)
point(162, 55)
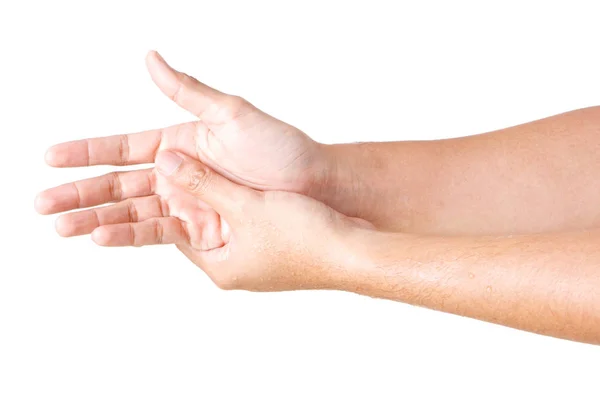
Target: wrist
point(363, 257)
point(388, 265)
point(335, 181)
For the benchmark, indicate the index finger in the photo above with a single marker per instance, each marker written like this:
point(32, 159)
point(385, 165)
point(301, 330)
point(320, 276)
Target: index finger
point(129, 149)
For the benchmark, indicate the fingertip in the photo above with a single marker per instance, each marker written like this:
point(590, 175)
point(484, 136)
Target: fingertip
point(63, 155)
point(62, 227)
point(101, 236)
point(162, 74)
point(51, 157)
point(152, 56)
point(156, 63)
point(44, 204)
point(37, 204)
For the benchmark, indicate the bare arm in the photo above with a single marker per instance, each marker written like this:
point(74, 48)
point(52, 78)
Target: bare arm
point(546, 283)
point(270, 241)
point(536, 177)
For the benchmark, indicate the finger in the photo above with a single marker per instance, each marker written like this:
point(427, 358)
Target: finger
point(168, 230)
point(210, 105)
point(130, 210)
point(134, 148)
point(196, 178)
point(112, 187)
point(129, 149)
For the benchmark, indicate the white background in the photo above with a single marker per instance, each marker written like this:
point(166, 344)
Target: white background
point(82, 322)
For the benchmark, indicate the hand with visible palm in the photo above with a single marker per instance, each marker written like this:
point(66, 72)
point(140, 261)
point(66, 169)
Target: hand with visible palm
point(231, 136)
point(235, 138)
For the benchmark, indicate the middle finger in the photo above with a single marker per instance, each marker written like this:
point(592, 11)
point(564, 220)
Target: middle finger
point(112, 187)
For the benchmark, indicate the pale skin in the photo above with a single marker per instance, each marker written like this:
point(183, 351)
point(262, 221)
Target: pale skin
point(502, 226)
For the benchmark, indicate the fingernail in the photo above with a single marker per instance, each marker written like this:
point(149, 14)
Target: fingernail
point(167, 162)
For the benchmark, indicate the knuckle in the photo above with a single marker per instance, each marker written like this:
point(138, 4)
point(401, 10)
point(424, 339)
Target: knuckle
point(187, 79)
point(234, 107)
point(183, 81)
point(123, 157)
point(158, 232)
point(132, 212)
point(235, 101)
point(176, 94)
point(114, 186)
point(199, 180)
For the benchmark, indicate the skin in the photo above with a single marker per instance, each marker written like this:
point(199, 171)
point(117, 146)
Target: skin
point(543, 283)
point(498, 226)
point(530, 178)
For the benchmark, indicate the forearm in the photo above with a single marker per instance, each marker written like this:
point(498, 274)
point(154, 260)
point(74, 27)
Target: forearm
point(541, 283)
point(388, 184)
point(536, 177)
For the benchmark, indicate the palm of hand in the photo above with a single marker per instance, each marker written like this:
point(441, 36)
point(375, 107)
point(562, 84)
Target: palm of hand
point(248, 147)
point(232, 137)
point(254, 149)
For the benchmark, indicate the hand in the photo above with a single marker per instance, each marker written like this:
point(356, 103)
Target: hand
point(268, 240)
point(232, 137)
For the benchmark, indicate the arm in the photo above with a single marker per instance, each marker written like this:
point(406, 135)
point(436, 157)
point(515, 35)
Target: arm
point(271, 241)
point(546, 284)
point(539, 176)
point(529, 178)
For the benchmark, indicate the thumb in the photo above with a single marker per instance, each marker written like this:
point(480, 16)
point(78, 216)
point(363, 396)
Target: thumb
point(190, 94)
point(196, 178)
